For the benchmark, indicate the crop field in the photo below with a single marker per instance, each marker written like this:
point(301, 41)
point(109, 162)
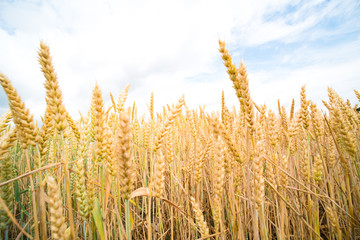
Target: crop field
point(238, 173)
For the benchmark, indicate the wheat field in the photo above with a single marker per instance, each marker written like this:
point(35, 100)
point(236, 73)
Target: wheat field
point(247, 173)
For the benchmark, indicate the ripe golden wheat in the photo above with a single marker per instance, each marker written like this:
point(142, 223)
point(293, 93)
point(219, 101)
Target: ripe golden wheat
point(247, 173)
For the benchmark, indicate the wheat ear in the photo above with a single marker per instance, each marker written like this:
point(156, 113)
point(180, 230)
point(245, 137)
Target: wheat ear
point(53, 92)
point(6, 192)
point(123, 155)
point(57, 219)
point(168, 123)
point(21, 115)
point(200, 221)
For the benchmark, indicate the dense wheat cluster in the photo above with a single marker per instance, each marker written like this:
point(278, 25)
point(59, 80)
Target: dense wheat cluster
point(247, 173)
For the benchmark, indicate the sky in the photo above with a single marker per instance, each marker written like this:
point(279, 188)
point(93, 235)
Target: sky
point(170, 48)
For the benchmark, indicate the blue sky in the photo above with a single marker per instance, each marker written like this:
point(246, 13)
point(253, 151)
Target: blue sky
point(171, 48)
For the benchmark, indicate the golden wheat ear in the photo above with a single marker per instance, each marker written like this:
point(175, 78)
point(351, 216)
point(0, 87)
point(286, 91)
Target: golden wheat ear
point(21, 115)
point(54, 101)
point(57, 219)
point(123, 155)
point(200, 220)
point(6, 192)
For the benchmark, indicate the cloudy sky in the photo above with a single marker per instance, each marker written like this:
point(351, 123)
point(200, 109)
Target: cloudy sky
point(171, 48)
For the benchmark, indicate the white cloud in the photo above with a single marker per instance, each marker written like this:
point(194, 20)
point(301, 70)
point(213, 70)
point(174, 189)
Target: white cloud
point(294, 25)
point(153, 45)
point(284, 84)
